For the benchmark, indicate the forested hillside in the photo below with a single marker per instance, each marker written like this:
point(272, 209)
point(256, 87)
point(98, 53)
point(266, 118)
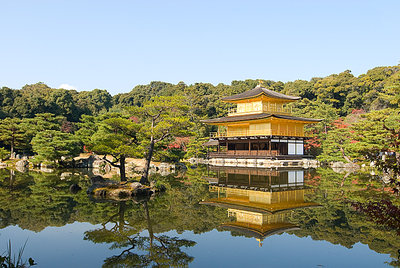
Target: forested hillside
point(357, 111)
point(40, 98)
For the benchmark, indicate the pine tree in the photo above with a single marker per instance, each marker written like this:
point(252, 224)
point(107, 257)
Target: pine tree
point(12, 133)
point(160, 119)
point(51, 145)
point(115, 136)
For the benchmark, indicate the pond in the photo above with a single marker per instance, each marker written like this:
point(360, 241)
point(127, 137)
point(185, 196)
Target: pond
point(208, 217)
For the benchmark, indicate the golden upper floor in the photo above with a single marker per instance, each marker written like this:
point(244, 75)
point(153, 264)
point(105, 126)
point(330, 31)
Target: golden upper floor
point(260, 100)
point(251, 107)
point(262, 124)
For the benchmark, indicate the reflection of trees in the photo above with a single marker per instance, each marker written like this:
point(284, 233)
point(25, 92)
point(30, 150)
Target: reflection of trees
point(36, 200)
point(113, 229)
point(338, 221)
point(141, 250)
point(383, 212)
point(14, 187)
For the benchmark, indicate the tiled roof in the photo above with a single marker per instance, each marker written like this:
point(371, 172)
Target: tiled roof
point(247, 117)
point(258, 90)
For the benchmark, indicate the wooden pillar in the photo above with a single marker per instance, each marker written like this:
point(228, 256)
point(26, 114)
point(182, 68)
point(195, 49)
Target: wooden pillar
point(249, 147)
point(258, 146)
point(270, 145)
point(227, 146)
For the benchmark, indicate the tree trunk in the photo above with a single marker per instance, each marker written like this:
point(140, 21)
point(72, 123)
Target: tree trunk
point(144, 179)
point(122, 168)
point(345, 156)
point(12, 149)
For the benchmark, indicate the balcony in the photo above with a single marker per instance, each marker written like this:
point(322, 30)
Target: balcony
point(258, 155)
point(245, 153)
point(267, 108)
point(247, 133)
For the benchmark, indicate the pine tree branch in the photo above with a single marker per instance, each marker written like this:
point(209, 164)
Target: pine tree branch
point(110, 162)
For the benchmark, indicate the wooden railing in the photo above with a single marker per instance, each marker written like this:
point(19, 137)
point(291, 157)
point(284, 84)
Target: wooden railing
point(245, 153)
point(247, 133)
point(265, 109)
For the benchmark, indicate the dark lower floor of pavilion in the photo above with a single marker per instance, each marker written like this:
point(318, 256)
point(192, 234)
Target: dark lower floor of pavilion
point(256, 147)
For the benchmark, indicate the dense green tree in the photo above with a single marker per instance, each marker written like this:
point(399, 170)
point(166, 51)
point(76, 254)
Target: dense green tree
point(7, 97)
point(40, 98)
point(160, 119)
point(116, 135)
point(379, 141)
point(4, 154)
point(361, 135)
point(51, 145)
point(391, 90)
point(93, 102)
point(316, 109)
point(141, 93)
point(46, 121)
point(301, 88)
point(31, 100)
point(12, 133)
point(371, 135)
point(41, 122)
point(335, 88)
point(336, 144)
point(60, 102)
point(87, 126)
point(195, 147)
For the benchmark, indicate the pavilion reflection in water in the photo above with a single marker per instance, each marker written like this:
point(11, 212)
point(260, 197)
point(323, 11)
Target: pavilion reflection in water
point(260, 200)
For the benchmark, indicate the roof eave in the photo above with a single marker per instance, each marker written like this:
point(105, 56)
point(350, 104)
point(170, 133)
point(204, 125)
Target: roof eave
point(277, 116)
point(226, 99)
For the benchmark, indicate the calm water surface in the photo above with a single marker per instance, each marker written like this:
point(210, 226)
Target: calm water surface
point(209, 217)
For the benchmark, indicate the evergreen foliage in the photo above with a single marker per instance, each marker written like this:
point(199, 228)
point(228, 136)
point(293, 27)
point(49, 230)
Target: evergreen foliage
point(115, 135)
point(160, 120)
point(51, 145)
point(13, 133)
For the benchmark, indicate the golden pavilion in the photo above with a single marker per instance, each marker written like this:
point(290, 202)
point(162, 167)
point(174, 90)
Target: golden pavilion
point(261, 126)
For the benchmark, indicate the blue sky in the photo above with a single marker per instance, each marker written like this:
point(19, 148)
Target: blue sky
point(116, 45)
